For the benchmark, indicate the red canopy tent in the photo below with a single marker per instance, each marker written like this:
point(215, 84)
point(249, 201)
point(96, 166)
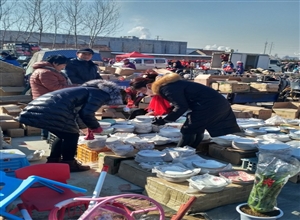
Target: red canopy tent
point(132, 54)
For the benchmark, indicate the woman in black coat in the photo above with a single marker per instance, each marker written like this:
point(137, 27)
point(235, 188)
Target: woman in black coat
point(65, 111)
point(209, 109)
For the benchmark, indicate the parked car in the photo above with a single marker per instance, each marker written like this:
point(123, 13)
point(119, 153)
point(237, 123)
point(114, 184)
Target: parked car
point(142, 63)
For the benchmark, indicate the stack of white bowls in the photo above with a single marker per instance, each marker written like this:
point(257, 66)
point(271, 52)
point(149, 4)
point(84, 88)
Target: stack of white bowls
point(107, 128)
point(173, 134)
point(143, 124)
point(124, 128)
point(150, 156)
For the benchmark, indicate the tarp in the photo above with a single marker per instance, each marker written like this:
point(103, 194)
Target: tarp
point(132, 54)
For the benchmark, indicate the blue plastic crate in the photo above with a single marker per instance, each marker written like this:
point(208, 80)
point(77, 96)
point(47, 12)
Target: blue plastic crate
point(11, 160)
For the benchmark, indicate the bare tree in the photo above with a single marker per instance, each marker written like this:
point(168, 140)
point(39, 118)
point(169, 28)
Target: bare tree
point(56, 19)
point(42, 17)
point(6, 18)
point(74, 19)
point(101, 18)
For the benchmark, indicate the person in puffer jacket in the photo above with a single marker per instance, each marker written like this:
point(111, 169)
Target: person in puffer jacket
point(64, 112)
point(82, 69)
point(208, 109)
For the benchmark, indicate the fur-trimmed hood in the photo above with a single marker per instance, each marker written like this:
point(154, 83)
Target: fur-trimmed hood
point(164, 80)
point(109, 87)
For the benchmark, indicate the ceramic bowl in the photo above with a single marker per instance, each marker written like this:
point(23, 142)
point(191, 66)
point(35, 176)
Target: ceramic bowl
point(144, 118)
point(104, 124)
point(270, 129)
point(170, 132)
point(122, 150)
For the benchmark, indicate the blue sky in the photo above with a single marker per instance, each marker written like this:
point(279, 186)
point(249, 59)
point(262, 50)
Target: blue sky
point(237, 24)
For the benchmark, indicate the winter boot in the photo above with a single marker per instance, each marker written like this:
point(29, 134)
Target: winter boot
point(75, 166)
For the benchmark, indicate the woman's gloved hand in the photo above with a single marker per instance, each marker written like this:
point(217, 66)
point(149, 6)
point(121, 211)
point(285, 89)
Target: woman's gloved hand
point(159, 121)
point(97, 130)
point(89, 135)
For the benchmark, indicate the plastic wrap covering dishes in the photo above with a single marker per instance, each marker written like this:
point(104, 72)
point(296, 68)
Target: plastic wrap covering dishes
point(208, 183)
point(122, 150)
point(170, 132)
point(179, 152)
point(276, 149)
point(276, 136)
point(124, 128)
point(155, 138)
point(295, 148)
point(122, 135)
point(175, 172)
point(238, 177)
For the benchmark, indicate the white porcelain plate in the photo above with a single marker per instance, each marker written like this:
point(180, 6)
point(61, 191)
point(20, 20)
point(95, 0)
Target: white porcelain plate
point(175, 170)
point(275, 147)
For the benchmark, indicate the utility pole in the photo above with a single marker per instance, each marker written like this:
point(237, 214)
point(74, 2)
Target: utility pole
point(271, 47)
point(265, 47)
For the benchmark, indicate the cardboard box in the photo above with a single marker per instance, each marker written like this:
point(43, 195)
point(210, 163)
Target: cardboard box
point(264, 87)
point(13, 109)
point(7, 139)
point(208, 79)
point(6, 117)
point(113, 161)
point(258, 112)
point(230, 154)
point(15, 132)
point(130, 170)
point(9, 124)
point(143, 105)
point(231, 87)
point(107, 69)
point(31, 131)
point(11, 75)
point(173, 195)
point(295, 179)
point(8, 91)
point(124, 71)
point(243, 113)
point(289, 110)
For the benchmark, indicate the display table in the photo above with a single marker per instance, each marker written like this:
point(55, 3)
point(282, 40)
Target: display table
point(173, 195)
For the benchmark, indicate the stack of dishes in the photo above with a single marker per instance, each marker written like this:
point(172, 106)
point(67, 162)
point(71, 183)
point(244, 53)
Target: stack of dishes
point(253, 132)
point(150, 156)
point(144, 118)
point(106, 126)
point(122, 149)
point(244, 144)
point(170, 132)
point(208, 183)
point(180, 152)
point(124, 128)
point(270, 129)
point(174, 125)
point(174, 172)
point(238, 177)
point(295, 134)
point(142, 127)
point(295, 122)
point(209, 166)
point(225, 140)
point(122, 135)
point(279, 137)
point(139, 143)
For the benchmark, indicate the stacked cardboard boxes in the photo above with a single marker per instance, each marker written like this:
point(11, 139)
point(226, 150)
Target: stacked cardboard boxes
point(257, 111)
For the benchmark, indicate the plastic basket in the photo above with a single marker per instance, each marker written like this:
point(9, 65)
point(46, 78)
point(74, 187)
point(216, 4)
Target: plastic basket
point(86, 155)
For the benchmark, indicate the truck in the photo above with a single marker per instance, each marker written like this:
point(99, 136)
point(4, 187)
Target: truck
point(250, 61)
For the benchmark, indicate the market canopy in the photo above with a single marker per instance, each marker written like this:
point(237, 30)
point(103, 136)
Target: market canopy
point(132, 54)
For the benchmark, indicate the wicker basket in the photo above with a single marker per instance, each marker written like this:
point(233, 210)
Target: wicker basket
point(86, 155)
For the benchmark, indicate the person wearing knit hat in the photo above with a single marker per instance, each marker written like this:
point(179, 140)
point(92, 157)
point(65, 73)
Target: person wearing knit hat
point(82, 69)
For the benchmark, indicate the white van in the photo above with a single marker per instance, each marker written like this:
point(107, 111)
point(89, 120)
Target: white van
point(142, 63)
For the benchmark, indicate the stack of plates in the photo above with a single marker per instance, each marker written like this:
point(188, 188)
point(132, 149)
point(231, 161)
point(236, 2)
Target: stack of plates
point(144, 118)
point(124, 128)
point(174, 173)
point(209, 166)
point(225, 140)
point(244, 144)
point(156, 139)
point(150, 156)
point(279, 137)
point(295, 134)
point(280, 149)
point(180, 152)
point(270, 129)
point(253, 132)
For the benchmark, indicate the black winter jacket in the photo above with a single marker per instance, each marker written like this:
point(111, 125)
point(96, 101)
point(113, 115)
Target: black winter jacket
point(58, 110)
point(80, 71)
point(209, 109)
